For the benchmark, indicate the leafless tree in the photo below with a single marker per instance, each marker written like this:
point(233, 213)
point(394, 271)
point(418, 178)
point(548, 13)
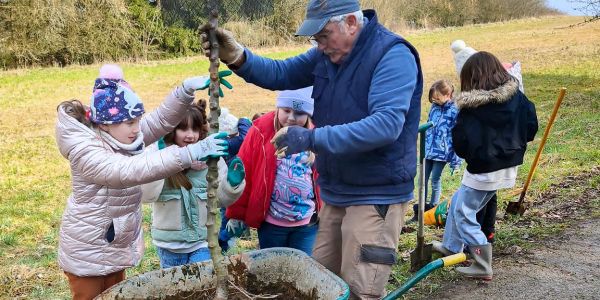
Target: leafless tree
point(589, 7)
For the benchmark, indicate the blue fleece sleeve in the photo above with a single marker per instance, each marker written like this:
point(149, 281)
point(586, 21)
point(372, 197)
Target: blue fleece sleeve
point(234, 143)
point(392, 87)
point(289, 74)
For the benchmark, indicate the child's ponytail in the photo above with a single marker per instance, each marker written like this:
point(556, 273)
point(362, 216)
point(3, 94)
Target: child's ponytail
point(77, 110)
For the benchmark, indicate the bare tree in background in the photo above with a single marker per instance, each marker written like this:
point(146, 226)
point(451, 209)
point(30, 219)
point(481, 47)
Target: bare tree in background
point(589, 7)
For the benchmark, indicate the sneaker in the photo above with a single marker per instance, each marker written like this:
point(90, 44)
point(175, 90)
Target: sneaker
point(439, 248)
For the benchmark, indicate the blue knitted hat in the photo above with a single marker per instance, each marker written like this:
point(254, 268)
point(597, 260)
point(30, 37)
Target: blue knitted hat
point(113, 100)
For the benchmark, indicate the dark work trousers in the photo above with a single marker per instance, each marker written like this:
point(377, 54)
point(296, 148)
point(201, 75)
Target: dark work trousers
point(486, 217)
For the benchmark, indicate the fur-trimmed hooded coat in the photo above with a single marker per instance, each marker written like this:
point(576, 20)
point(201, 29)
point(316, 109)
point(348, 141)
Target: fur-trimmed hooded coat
point(493, 127)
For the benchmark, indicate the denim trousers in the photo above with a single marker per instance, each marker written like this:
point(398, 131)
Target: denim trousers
point(171, 259)
point(433, 171)
point(298, 237)
point(461, 224)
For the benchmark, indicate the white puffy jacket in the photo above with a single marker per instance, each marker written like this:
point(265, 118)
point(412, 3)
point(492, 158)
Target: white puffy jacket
point(106, 189)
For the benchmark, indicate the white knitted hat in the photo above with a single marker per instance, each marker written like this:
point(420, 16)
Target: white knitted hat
point(228, 122)
point(461, 54)
point(300, 100)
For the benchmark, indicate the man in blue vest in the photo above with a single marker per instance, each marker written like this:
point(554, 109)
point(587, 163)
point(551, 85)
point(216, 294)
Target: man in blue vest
point(367, 90)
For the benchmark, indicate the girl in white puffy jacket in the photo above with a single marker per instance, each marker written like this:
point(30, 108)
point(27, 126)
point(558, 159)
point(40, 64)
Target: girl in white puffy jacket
point(100, 233)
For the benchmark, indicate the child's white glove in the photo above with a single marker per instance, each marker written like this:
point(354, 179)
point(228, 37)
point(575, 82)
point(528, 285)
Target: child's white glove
point(192, 84)
point(235, 228)
point(214, 145)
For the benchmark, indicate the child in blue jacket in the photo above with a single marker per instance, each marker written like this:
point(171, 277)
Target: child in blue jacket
point(438, 141)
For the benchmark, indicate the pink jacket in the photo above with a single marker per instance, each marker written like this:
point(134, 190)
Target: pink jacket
point(106, 190)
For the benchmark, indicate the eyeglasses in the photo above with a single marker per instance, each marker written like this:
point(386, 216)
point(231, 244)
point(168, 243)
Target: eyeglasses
point(319, 39)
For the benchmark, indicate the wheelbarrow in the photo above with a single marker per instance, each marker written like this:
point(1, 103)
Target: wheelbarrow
point(278, 273)
point(423, 272)
point(288, 273)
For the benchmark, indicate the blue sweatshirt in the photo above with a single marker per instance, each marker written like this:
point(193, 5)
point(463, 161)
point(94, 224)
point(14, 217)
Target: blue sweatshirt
point(393, 84)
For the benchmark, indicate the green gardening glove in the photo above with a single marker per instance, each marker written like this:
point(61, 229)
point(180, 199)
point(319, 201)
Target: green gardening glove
point(236, 172)
point(222, 80)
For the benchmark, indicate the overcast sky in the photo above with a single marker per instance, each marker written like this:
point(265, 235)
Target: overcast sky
point(565, 6)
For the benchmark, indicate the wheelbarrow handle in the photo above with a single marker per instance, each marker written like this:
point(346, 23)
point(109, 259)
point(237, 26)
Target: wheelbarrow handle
point(454, 259)
point(423, 272)
point(422, 129)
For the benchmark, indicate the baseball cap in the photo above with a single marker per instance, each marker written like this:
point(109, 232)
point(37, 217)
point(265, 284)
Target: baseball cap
point(318, 13)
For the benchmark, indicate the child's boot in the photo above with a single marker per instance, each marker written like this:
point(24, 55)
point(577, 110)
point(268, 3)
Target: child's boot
point(481, 268)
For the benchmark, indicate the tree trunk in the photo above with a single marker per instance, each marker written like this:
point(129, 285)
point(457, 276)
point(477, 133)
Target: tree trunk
point(212, 177)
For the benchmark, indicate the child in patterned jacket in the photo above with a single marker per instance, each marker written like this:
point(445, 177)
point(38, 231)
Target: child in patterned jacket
point(438, 141)
point(281, 199)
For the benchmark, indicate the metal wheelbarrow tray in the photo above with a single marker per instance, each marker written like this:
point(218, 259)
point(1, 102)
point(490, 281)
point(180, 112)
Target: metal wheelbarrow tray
point(286, 272)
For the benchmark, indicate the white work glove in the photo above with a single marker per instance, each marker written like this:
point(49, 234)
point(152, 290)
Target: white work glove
point(214, 146)
point(230, 50)
point(192, 84)
point(235, 228)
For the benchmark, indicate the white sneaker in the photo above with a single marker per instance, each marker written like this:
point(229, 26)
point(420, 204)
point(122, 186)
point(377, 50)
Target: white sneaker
point(439, 248)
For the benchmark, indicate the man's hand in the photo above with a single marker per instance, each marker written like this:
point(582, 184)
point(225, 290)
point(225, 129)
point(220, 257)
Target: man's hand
point(293, 139)
point(230, 51)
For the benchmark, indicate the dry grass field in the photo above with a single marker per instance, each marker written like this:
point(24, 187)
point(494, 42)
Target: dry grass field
point(34, 178)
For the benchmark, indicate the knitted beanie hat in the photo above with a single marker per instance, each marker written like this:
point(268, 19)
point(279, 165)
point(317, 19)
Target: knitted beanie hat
point(113, 100)
point(461, 54)
point(300, 100)
point(228, 122)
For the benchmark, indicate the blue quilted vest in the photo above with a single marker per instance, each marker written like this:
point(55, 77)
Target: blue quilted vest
point(341, 97)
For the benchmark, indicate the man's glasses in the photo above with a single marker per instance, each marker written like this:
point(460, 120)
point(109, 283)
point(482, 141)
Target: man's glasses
point(319, 39)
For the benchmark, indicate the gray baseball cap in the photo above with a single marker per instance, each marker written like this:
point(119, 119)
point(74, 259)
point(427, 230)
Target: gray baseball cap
point(318, 13)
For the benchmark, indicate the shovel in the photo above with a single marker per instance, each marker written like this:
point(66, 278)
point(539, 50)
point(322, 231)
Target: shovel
point(519, 207)
point(422, 254)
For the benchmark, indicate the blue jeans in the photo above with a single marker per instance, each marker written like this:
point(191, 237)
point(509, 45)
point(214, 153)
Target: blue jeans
point(461, 224)
point(171, 259)
point(434, 169)
point(299, 237)
point(223, 234)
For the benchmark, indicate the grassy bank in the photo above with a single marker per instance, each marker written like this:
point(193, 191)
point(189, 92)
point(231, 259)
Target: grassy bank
point(34, 178)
